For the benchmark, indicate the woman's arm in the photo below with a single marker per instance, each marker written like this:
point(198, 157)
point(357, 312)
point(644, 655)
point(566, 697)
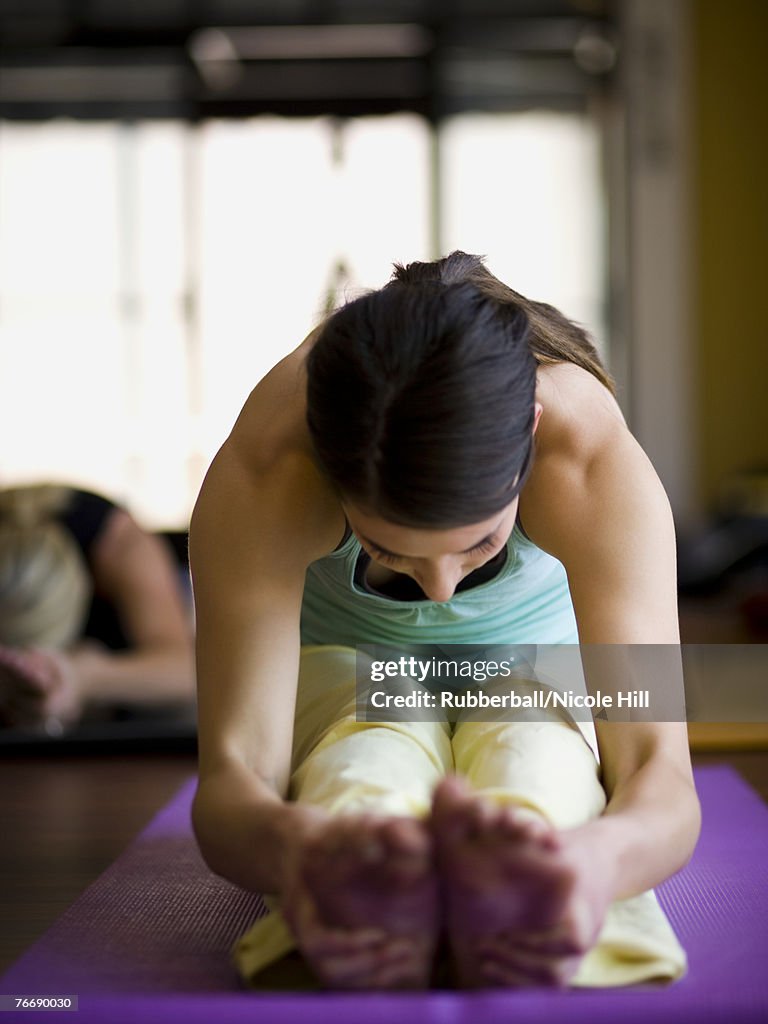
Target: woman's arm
point(650, 826)
point(596, 503)
point(257, 525)
point(136, 572)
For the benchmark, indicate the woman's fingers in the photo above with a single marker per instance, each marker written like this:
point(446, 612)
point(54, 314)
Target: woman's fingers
point(387, 960)
point(536, 968)
point(504, 976)
point(333, 942)
point(302, 915)
point(554, 944)
point(350, 958)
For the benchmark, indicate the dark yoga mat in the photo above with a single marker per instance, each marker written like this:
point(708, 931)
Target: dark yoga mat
point(150, 941)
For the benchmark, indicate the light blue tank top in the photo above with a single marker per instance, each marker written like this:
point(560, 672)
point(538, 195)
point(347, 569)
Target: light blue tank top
point(526, 602)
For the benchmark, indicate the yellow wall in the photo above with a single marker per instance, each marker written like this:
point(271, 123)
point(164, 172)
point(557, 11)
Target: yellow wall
point(731, 244)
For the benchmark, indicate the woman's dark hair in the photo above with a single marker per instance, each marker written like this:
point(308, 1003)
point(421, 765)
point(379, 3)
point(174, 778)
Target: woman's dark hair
point(420, 396)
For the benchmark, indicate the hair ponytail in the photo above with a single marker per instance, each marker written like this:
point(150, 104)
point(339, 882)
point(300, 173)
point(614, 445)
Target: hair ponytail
point(553, 337)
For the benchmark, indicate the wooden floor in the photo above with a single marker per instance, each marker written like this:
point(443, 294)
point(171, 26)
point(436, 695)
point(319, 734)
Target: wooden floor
point(65, 819)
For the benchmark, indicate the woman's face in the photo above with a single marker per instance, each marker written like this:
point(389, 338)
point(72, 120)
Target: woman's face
point(436, 559)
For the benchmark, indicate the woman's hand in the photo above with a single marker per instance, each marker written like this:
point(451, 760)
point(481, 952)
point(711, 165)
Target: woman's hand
point(338, 956)
point(39, 689)
point(348, 957)
point(551, 957)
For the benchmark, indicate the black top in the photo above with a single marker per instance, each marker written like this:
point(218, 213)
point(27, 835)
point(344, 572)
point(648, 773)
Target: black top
point(85, 517)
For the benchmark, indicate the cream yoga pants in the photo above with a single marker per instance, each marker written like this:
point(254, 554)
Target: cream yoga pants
point(546, 767)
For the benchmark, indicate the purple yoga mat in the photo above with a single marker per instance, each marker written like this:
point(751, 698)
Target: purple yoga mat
point(150, 940)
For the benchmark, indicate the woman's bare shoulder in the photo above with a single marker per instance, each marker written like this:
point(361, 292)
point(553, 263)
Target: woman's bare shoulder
point(579, 414)
point(270, 448)
point(272, 423)
point(586, 457)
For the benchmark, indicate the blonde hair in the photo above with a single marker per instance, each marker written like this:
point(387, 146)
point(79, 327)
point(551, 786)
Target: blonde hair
point(44, 583)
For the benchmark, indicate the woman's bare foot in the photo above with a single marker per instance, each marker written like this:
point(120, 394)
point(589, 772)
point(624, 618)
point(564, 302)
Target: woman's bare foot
point(372, 880)
point(515, 902)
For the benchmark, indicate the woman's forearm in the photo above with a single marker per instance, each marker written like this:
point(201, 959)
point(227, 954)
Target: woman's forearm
point(649, 828)
point(145, 675)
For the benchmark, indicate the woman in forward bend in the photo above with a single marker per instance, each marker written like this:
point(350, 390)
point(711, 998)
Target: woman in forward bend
point(442, 461)
point(92, 611)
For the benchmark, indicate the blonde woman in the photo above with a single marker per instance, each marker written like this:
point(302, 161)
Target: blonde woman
point(91, 609)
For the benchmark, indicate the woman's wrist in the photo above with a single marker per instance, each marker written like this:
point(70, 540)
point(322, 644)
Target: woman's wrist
point(632, 850)
point(600, 846)
point(86, 667)
point(236, 813)
point(296, 824)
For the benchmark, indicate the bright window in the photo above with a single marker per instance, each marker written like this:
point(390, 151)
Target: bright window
point(151, 274)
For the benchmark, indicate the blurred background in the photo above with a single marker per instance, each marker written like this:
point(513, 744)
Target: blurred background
point(186, 185)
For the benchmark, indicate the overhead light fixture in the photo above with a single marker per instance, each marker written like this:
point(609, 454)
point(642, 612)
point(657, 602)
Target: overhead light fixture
point(218, 52)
